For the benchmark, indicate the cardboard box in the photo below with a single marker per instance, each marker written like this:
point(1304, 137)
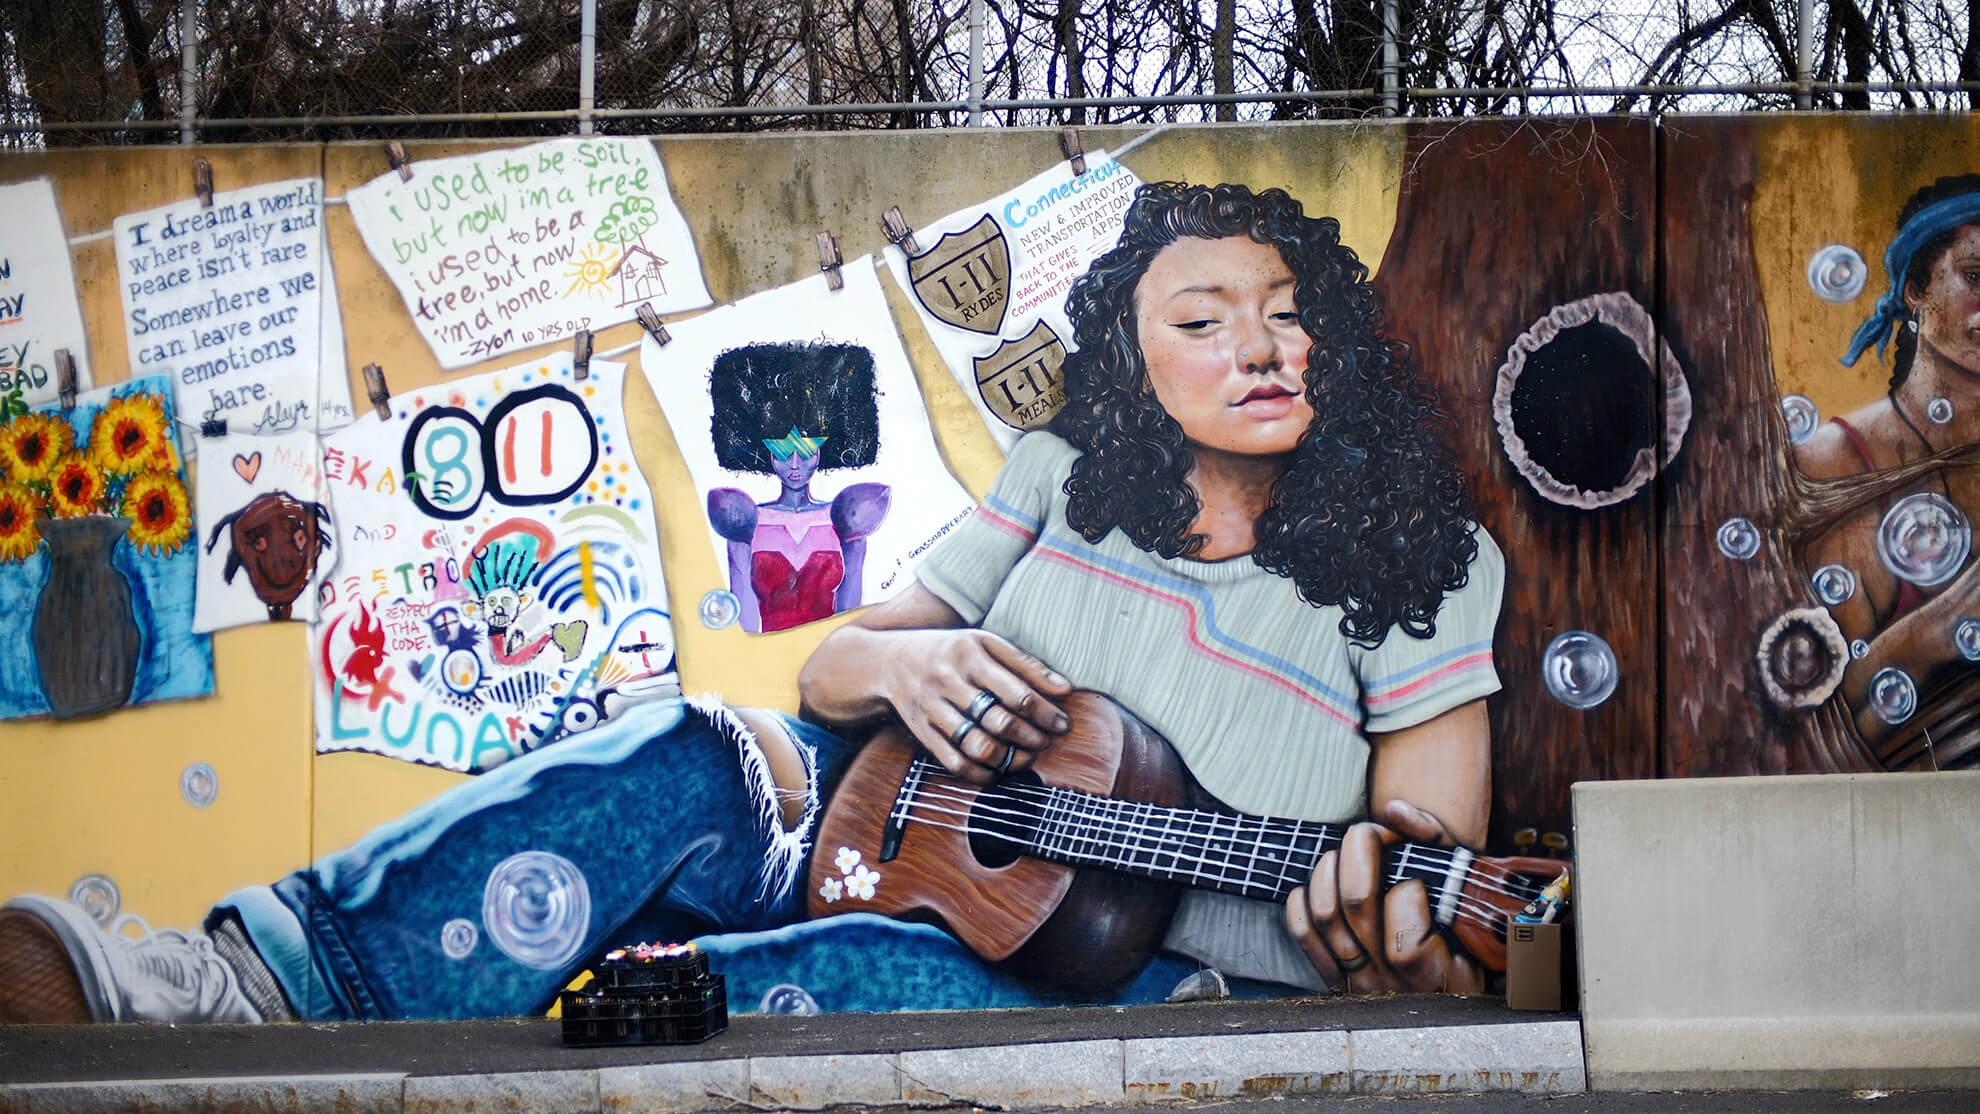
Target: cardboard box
point(1539, 967)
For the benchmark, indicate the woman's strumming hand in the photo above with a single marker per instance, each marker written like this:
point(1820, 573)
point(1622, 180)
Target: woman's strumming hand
point(912, 658)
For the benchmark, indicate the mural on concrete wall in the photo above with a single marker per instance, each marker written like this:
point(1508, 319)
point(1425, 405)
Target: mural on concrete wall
point(96, 558)
point(38, 311)
point(234, 300)
point(1892, 571)
point(498, 583)
point(265, 533)
point(776, 397)
point(990, 282)
point(1340, 574)
point(506, 250)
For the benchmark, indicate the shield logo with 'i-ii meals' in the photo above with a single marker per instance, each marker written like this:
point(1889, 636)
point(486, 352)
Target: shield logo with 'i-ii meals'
point(965, 279)
point(1020, 382)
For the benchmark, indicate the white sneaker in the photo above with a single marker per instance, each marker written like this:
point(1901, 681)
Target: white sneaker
point(162, 975)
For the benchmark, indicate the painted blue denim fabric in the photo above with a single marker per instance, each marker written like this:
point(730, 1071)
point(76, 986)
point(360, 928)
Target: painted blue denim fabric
point(660, 825)
point(863, 962)
point(489, 899)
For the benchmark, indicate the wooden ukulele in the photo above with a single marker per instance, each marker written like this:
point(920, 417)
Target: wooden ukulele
point(1070, 871)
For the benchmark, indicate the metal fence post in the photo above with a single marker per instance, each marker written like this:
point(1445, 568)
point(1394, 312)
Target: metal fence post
point(975, 63)
point(188, 68)
point(587, 64)
point(1391, 59)
point(1804, 47)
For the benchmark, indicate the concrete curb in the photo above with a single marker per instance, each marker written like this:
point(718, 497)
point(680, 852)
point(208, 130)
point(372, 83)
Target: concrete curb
point(1538, 1058)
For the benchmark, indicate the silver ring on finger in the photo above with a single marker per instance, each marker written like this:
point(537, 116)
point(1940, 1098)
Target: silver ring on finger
point(1010, 752)
point(961, 732)
point(985, 700)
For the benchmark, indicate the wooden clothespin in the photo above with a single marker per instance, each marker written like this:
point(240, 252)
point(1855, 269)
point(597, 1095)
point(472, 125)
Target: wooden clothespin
point(377, 391)
point(649, 319)
point(899, 233)
point(581, 354)
point(65, 378)
point(213, 427)
point(1070, 144)
point(829, 261)
point(203, 182)
point(396, 152)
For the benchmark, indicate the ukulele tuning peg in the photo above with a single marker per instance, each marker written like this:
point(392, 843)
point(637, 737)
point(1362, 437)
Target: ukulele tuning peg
point(1525, 838)
point(1555, 843)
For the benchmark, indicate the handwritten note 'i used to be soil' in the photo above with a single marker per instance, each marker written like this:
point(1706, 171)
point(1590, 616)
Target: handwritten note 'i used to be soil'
point(510, 249)
point(234, 301)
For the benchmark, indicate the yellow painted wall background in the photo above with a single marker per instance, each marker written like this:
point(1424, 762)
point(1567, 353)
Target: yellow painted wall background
point(1839, 180)
point(102, 796)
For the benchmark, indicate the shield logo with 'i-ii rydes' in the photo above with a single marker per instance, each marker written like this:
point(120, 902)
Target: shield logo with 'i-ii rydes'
point(965, 279)
point(1020, 382)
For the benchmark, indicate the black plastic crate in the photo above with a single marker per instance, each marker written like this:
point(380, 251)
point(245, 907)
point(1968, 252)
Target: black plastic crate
point(686, 1015)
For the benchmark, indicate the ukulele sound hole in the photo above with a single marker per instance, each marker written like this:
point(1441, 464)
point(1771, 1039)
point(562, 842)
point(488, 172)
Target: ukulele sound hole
point(1004, 819)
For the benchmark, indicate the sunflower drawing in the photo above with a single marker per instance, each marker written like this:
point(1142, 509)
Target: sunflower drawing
point(77, 488)
point(18, 534)
point(161, 517)
point(128, 434)
point(30, 445)
point(127, 467)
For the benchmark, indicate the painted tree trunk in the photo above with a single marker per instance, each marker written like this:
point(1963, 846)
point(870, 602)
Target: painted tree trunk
point(1499, 224)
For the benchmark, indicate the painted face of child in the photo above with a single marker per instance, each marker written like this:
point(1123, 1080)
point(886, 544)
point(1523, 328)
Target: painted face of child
point(1223, 346)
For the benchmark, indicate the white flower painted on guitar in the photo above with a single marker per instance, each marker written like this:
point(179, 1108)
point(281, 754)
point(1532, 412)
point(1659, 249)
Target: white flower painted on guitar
point(846, 860)
point(861, 881)
point(831, 891)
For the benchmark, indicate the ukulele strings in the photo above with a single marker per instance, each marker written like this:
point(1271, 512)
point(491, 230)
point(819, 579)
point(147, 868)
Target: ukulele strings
point(956, 804)
point(1015, 824)
point(1489, 878)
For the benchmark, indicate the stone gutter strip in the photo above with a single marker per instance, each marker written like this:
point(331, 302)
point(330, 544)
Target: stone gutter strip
point(1536, 1058)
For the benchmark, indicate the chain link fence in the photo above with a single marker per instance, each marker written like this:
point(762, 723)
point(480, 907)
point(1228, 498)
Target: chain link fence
point(173, 71)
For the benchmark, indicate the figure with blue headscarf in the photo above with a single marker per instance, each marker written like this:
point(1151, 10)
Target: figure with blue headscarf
point(1909, 548)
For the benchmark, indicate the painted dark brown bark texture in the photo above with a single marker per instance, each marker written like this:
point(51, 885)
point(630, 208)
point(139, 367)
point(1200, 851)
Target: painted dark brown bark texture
point(1716, 716)
point(1498, 223)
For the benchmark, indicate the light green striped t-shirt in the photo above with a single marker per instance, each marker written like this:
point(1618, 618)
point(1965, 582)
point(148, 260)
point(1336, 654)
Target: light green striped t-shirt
point(1265, 700)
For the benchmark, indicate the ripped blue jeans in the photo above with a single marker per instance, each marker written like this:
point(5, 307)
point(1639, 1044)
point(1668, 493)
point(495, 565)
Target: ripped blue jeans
point(660, 825)
point(489, 899)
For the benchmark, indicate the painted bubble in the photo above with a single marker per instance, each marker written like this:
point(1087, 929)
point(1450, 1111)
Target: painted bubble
point(1859, 649)
point(1939, 410)
point(97, 895)
point(789, 999)
point(1836, 273)
point(1893, 695)
point(1924, 539)
point(1739, 539)
point(198, 784)
point(1580, 669)
point(1801, 416)
point(1966, 636)
point(458, 938)
point(720, 608)
point(535, 908)
point(1834, 584)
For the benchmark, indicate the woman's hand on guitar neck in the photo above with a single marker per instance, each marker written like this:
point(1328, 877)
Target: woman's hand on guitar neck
point(1366, 939)
point(913, 658)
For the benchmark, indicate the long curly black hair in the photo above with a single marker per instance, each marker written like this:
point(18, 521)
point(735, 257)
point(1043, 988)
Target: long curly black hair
point(1372, 513)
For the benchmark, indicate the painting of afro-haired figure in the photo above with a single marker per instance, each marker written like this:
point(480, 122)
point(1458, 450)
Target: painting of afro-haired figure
point(790, 411)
